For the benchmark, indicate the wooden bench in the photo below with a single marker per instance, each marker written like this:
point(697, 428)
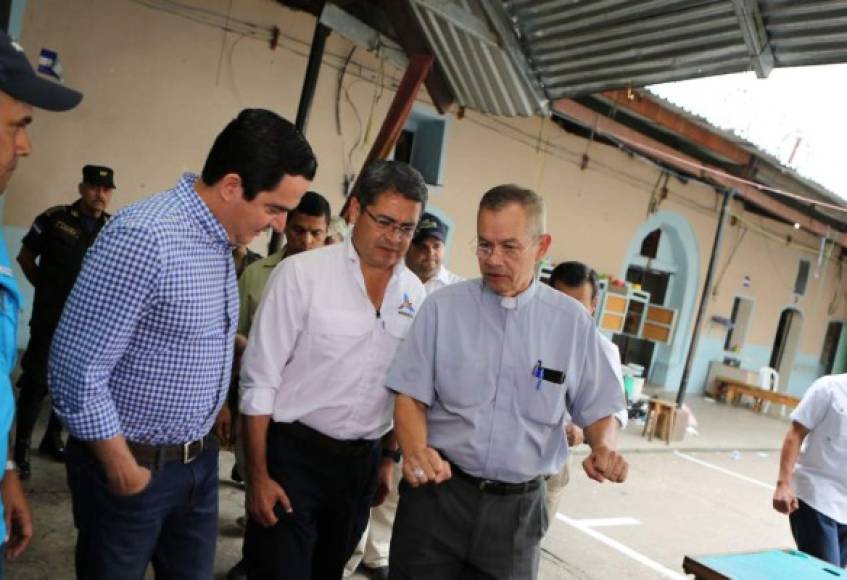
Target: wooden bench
point(731, 391)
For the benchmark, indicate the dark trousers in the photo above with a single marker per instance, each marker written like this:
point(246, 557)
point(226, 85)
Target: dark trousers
point(33, 390)
point(173, 522)
point(819, 535)
point(330, 494)
point(454, 531)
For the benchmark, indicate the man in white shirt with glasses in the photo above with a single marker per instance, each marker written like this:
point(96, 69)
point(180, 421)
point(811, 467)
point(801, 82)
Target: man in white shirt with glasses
point(317, 414)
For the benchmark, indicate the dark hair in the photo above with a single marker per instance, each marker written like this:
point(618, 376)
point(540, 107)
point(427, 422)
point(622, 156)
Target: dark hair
point(499, 197)
point(574, 275)
point(390, 177)
point(261, 148)
point(313, 204)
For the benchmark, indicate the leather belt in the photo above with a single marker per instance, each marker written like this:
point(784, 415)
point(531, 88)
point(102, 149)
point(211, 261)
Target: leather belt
point(146, 454)
point(496, 487)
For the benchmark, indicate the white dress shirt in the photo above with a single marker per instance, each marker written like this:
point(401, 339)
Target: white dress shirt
point(318, 350)
point(610, 349)
point(444, 278)
point(820, 477)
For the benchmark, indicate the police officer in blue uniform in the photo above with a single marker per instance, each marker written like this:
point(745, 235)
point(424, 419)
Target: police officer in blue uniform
point(51, 257)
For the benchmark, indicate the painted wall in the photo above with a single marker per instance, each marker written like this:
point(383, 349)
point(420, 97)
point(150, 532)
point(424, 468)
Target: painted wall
point(158, 87)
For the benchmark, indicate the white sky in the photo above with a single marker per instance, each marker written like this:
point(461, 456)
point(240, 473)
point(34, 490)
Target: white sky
point(805, 103)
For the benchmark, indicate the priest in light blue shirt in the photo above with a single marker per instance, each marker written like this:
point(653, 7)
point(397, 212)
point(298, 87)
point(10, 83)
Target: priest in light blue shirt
point(483, 383)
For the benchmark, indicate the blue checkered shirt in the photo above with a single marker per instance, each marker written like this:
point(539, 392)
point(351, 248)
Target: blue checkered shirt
point(145, 344)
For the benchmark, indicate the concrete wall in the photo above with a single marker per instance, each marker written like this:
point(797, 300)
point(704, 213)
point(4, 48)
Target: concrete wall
point(158, 87)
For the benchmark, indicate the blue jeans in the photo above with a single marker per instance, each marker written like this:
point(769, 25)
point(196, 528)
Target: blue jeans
point(819, 535)
point(173, 522)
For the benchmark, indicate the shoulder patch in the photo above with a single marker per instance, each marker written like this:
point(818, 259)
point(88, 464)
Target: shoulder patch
point(57, 209)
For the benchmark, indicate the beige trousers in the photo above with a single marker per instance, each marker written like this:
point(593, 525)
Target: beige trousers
point(556, 485)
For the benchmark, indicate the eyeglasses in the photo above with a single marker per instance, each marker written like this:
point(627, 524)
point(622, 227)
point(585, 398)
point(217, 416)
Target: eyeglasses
point(386, 225)
point(511, 250)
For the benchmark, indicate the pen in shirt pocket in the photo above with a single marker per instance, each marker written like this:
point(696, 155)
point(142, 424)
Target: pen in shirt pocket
point(538, 373)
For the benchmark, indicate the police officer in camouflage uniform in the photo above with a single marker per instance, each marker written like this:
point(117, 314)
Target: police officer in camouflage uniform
point(51, 257)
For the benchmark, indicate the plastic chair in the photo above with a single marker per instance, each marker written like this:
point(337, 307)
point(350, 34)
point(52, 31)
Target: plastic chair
point(769, 380)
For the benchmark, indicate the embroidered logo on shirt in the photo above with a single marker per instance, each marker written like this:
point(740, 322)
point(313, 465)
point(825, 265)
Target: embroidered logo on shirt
point(406, 307)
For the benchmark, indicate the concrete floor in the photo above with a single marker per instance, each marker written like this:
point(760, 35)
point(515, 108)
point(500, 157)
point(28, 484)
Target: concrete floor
point(706, 494)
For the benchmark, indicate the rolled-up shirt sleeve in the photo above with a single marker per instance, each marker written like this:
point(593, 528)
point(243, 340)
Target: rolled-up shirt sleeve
point(412, 372)
point(276, 327)
point(117, 283)
point(597, 391)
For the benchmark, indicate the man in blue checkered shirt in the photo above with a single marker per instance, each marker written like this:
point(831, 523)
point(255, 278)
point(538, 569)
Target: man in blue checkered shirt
point(140, 363)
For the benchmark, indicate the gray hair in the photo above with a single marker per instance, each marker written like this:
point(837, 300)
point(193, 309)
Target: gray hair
point(533, 204)
point(390, 177)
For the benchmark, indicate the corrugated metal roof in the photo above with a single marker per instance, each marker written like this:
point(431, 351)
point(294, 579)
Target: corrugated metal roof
point(586, 46)
point(482, 72)
point(806, 33)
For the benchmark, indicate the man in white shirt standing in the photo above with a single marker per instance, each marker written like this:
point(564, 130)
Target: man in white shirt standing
point(579, 281)
point(426, 254)
point(812, 484)
point(313, 390)
point(426, 259)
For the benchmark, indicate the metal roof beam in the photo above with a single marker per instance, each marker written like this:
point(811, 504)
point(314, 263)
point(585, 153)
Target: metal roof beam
point(363, 35)
point(502, 23)
point(755, 36)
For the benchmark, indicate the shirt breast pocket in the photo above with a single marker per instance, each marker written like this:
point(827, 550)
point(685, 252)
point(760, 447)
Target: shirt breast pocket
point(835, 425)
point(542, 402)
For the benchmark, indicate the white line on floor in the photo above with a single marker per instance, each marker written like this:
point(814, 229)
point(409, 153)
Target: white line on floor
point(625, 550)
point(608, 522)
point(723, 470)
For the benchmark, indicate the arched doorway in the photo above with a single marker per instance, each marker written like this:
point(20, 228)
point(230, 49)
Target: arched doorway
point(671, 268)
point(785, 344)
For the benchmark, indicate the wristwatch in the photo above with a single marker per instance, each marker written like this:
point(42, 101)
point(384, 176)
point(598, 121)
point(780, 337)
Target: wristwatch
point(11, 465)
point(394, 454)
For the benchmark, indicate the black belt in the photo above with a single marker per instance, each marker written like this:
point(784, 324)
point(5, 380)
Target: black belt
point(347, 448)
point(159, 454)
point(496, 487)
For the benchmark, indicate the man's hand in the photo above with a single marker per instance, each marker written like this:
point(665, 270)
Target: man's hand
point(425, 466)
point(18, 515)
point(784, 499)
point(263, 494)
point(223, 426)
point(129, 482)
point(605, 464)
point(385, 481)
point(574, 435)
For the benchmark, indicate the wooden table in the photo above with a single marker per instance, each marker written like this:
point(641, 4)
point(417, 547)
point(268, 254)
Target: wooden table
point(764, 565)
point(731, 391)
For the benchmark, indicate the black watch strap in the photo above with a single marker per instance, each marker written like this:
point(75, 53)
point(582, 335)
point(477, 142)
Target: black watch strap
point(394, 454)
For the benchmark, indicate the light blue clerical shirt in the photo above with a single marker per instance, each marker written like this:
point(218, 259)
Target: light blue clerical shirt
point(498, 373)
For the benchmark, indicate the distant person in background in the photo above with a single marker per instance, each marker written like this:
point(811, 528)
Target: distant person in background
point(580, 282)
point(50, 257)
point(812, 486)
point(426, 254)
